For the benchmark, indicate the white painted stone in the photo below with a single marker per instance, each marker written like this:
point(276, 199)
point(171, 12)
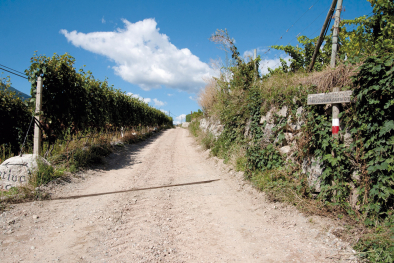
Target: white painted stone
point(16, 171)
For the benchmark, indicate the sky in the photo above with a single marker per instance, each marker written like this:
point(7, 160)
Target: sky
point(158, 51)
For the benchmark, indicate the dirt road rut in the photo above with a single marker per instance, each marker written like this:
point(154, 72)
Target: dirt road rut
point(221, 221)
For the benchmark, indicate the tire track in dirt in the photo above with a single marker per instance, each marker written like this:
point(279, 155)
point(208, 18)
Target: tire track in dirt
point(224, 221)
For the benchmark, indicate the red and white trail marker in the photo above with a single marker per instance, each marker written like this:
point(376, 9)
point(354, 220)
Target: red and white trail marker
point(334, 98)
point(335, 126)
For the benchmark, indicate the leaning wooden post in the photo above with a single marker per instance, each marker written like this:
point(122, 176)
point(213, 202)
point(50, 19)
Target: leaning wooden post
point(37, 130)
point(335, 34)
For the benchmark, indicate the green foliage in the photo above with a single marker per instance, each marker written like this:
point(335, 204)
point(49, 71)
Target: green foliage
point(357, 178)
point(369, 34)
point(89, 156)
point(194, 127)
point(194, 115)
point(44, 174)
point(261, 159)
point(366, 166)
point(15, 118)
point(75, 101)
point(208, 141)
point(374, 123)
point(301, 57)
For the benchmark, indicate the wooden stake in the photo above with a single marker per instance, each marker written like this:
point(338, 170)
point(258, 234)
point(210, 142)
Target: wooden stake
point(37, 130)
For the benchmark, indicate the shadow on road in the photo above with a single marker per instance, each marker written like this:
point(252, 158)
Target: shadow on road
point(126, 157)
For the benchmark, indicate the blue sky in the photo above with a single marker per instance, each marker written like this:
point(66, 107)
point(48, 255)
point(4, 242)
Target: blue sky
point(158, 50)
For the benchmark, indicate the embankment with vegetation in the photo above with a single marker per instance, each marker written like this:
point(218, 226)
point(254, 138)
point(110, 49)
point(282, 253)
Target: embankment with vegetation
point(285, 147)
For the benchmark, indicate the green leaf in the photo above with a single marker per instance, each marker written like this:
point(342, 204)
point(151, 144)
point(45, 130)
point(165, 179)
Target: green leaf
point(387, 127)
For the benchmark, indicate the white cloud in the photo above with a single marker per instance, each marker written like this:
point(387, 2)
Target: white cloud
point(159, 103)
point(166, 112)
point(103, 20)
point(145, 57)
point(169, 95)
point(190, 97)
point(272, 64)
point(179, 119)
point(146, 100)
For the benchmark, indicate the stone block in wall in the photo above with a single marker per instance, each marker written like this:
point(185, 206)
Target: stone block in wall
point(267, 133)
point(299, 121)
point(269, 117)
point(347, 138)
point(313, 167)
point(204, 123)
point(247, 128)
point(353, 197)
point(211, 125)
point(282, 112)
point(289, 137)
point(285, 149)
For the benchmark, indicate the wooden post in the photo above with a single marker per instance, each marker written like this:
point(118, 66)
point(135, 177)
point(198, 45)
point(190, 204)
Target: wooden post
point(335, 34)
point(322, 34)
point(334, 98)
point(335, 118)
point(37, 130)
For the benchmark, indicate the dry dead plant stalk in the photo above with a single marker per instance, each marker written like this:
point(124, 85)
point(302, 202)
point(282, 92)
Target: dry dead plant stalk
point(208, 96)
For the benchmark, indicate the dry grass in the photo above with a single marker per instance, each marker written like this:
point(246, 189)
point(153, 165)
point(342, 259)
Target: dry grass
point(208, 96)
point(324, 80)
point(329, 78)
point(130, 137)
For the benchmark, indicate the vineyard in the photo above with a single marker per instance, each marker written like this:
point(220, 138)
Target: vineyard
point(75, 105)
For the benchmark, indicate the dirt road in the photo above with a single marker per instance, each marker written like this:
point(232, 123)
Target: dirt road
point(221, 221)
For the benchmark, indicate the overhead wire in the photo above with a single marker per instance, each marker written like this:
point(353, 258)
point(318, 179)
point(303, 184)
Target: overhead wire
point(12, 69)
point(292, 25)
point(13, 73)
point(308, 26)
point(302, 30)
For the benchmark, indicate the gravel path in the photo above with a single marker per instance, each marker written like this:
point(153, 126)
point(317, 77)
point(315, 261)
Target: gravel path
point(221, 221)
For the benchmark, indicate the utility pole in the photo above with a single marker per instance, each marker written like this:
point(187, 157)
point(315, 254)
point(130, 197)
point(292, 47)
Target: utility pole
point(322, 34)
point(37, 130)
point(335, 34)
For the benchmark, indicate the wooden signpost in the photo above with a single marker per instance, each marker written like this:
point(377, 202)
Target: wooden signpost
point(334, 98)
